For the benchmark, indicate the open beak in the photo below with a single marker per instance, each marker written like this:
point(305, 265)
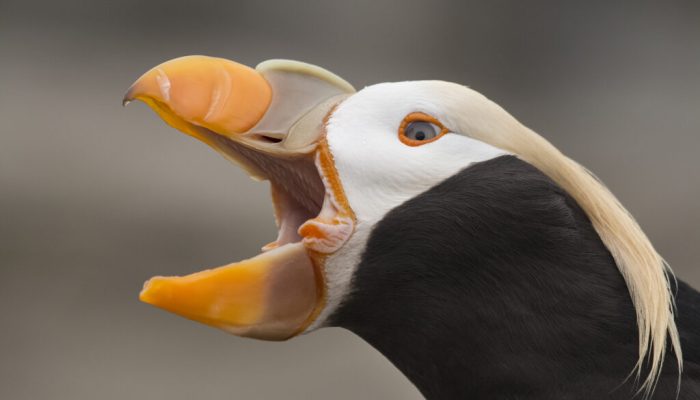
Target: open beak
point(269, 120)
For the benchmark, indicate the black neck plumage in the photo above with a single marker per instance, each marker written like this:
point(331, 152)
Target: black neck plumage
point(494, 285)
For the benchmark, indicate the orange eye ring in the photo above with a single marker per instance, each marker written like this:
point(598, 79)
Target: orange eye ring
point(420, 117)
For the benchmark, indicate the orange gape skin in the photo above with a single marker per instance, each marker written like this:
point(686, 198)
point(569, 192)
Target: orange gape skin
point(318, 260)
point(327, 166)
point(330, 175)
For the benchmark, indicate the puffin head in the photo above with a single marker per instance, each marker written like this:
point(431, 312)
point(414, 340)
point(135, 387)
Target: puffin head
point(338, 162)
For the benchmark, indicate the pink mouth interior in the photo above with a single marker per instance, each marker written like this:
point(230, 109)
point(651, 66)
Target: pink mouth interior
point(299, 196)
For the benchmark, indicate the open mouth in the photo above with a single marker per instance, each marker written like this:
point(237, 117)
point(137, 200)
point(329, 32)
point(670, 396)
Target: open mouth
point(280, 292)
point(242, 113)
point(304, 189)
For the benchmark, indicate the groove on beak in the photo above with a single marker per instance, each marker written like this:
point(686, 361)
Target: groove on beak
point(214, 93)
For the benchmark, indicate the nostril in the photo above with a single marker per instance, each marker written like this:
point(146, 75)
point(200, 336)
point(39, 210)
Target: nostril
point(268, 139)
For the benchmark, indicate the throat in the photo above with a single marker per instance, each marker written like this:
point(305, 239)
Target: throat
point(493, 284)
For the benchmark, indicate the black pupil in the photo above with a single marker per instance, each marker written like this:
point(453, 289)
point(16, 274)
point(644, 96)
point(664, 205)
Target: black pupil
point(420, 135)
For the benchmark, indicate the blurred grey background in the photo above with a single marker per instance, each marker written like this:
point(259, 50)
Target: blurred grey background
point(94, 199)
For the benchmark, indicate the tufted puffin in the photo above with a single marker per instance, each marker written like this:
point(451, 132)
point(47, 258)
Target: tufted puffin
point(473, 254)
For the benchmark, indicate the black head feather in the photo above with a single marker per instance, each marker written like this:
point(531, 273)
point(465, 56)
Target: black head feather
point(494, 284)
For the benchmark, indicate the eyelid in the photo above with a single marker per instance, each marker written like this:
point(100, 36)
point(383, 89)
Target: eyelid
point(422, 117)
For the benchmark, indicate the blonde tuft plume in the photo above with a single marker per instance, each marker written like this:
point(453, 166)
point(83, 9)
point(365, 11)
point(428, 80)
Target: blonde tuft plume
point(643, 269)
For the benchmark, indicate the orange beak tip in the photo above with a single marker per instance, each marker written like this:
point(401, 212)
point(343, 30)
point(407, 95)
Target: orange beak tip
point(128, 96)
point(154, 291)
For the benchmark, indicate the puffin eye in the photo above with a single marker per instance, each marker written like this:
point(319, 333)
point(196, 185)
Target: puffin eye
point(418, 128)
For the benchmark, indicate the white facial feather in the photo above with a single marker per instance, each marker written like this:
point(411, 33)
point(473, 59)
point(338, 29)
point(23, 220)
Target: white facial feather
point(379, 172)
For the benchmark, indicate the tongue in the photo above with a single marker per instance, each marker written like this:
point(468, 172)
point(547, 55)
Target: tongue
point(271, 296)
